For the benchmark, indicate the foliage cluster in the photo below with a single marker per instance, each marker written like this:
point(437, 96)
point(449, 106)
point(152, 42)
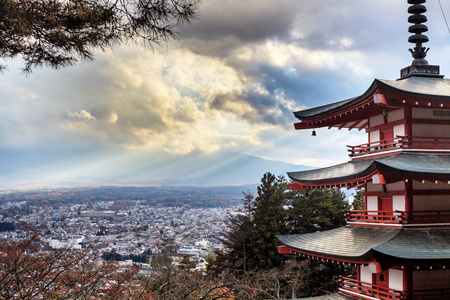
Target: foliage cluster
point(14, 211)
point(58, 33)
point(26, 272)
point(112, 255)
point(6, 226)
point(251, 243)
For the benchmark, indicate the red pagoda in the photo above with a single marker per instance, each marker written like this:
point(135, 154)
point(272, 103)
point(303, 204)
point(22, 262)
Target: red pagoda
point(400, 242)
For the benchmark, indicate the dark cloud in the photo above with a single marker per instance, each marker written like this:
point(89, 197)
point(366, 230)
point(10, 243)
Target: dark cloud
point(229, 24)
point(338, 27)
point(281, 92)
point(332, 25)
point(249, 20)
point(254, 106)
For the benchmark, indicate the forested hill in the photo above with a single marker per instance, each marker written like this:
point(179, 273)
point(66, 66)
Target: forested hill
point(194, 197)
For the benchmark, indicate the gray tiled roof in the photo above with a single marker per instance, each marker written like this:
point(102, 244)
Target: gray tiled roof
point(426, 87)
point(325, 109)
point(425, 164)
point(437, 165)
point(361, 243)
point(336, 296)
point(421, 85)
point(344, 171)
point(349, 242)
point(418, 244)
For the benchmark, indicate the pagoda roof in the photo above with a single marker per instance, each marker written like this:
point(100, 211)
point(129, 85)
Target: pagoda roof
point(414, 90)
point(335, 296)
point(360, 244)
point(418, 244)
point(419, 166)
point(417, 85)
point(349, 243)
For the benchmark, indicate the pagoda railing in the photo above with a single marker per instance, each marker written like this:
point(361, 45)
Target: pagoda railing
point(427, 217)
point(399, 217)
point(351, 284)
point(366, 289)
point(441, 294)
point(373, 216)
point(401, 142)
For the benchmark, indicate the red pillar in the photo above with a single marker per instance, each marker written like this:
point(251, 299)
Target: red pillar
point(407, 282)
point(408, 119)
point(409, 197)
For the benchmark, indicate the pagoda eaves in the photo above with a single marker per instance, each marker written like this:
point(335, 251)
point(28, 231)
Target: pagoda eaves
point(382, 95)
point(411, 246)
point(413, 166)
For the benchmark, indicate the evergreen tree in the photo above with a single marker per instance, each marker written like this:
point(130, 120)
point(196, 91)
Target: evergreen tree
point(269, 220)
point(301, 213)
point(317, 210)
point(358, 200)
point(338, 208)
point(234, 256)
point(186, 263)
point(6, 226)
point(251, 243)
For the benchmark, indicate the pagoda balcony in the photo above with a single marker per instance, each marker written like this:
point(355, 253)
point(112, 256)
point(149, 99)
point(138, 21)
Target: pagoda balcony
point(372, 216)
point(399, 143)
point(363, 290)
point(441, 294)
point(405, 218)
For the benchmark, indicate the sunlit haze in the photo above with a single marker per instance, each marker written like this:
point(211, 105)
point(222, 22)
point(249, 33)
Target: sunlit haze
point(212, 106)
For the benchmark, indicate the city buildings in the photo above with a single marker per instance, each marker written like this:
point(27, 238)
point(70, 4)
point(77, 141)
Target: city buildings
point(128, 231)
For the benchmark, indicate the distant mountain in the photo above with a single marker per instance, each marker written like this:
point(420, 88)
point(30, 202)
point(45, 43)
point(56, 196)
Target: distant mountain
point(121, 167)
point(217, 169)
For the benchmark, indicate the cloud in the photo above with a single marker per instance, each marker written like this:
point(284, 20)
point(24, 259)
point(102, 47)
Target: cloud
point(138, 99)
point(82, 114)
point(304, 53)
point(255, 105)
point(232, 23)
point(230, 82)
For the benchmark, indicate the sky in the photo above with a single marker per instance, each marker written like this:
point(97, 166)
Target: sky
point(229, 84)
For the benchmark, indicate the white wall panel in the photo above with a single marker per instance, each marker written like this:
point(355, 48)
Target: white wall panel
point(366, 275)
point(396, 279)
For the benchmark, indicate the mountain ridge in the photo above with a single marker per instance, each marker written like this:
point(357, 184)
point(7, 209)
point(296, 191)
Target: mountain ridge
point(120, 167)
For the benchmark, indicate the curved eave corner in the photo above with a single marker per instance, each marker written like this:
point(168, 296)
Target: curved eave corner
point(414, 166)
point(418, 245)
point(348, 244)
point(421, 91)
point(320, 116)
point(354, 244)
point(349, 183)
point(348, 175)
